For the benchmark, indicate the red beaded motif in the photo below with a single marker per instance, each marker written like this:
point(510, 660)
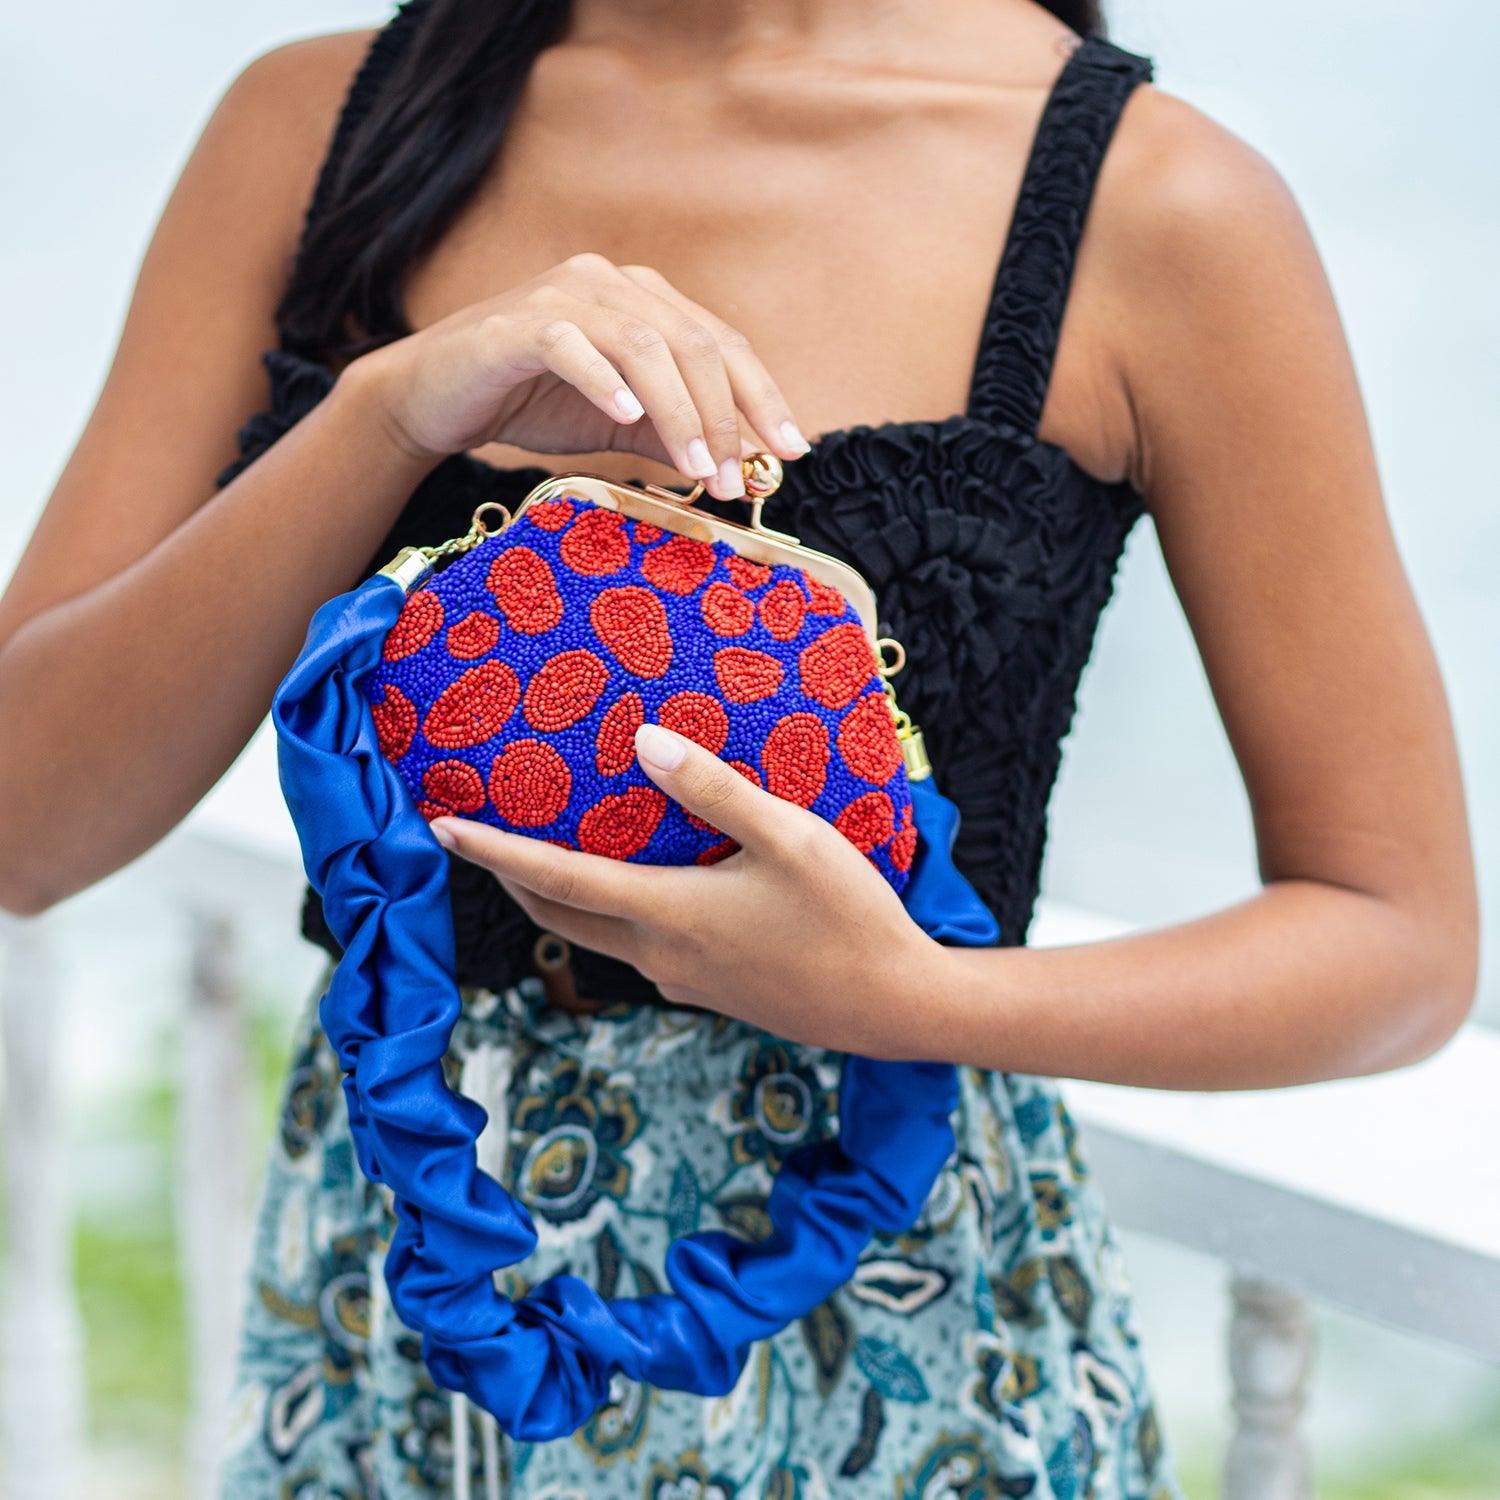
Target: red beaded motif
point(473, 709)
point(526, 591)
point(633, 625)
point(679, 565)
point(454, 785)
point(904, 845)
point(697, 717)
point(530, 784)
point(473, 636)
point(796, 759)
point(564, 690)
point(395, 722)
point(726, 611)
point(614, 748)
point(420, 619)
point(745, 676)
point(747, 575)
point(867, 821)
point(595, 544)
point(622, 824)
point(782, 609)
point(866, 742)
point(551, 515)
point(836, 667)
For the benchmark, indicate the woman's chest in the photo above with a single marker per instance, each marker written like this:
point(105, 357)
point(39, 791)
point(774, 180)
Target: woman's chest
point(854, 241)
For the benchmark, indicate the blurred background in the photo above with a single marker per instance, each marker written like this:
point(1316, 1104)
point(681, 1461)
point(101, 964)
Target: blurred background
point(150, 1011)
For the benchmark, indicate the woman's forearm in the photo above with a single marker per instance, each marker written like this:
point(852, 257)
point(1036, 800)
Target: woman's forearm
point(123, 705)
point(1305, 981)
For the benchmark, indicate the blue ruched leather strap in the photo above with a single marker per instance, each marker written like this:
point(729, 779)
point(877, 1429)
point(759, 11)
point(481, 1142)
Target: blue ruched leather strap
point(543, 1365)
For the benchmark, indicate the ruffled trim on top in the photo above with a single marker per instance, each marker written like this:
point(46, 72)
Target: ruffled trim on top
point(1036, 270)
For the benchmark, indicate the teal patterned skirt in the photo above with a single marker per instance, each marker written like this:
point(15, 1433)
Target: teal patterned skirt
point(990, 1351)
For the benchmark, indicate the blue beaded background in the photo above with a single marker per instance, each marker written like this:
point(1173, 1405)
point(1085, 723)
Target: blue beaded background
point(461, 587)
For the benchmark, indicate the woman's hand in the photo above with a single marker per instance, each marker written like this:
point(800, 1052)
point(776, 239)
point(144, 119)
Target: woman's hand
point(796, 932)
point(572, 362)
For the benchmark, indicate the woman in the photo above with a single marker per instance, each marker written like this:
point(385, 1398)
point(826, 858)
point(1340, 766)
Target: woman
point(618, 236)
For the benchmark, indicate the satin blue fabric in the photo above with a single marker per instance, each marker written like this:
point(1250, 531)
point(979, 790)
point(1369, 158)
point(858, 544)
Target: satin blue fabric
point(543, 1365)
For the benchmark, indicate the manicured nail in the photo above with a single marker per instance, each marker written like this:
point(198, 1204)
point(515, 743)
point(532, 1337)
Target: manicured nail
point(659, 747)
point(731, 479)
point(629, 407)
point(791, 437)
point(700, 460)
point(443, 834)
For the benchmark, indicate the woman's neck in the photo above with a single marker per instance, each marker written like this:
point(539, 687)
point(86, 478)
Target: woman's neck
point(735, 27)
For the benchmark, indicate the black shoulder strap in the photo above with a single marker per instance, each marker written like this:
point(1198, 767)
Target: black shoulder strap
point(1025, 316)
point(383, 54)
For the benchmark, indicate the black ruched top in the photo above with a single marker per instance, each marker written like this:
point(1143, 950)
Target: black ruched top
point(991, 552)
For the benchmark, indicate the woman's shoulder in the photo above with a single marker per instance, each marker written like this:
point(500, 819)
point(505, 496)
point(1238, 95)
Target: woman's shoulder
point(265, 142)
point(301, 83)
point(1180, 193)
point(1191, 232)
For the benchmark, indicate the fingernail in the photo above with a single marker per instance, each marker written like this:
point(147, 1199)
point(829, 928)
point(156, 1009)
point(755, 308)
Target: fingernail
point(731, 479)
point(628, 405)
point(443, 834)
point(791, 437)
point(700, 460)
point(659, 747)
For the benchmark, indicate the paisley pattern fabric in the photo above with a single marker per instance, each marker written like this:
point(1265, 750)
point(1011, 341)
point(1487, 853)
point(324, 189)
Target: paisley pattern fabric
point(989, 1351)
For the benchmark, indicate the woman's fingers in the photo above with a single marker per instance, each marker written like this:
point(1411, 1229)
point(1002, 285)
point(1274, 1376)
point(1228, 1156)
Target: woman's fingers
point(584, 929)
point(566, 877)
point(562, 347)
point(651, 369)
point(717, 793)
point(706, 392)
point(755, 392)
point(700, 361)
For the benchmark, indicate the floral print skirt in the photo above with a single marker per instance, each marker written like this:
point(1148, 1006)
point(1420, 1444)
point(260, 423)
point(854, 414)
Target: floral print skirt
point(987, 1352)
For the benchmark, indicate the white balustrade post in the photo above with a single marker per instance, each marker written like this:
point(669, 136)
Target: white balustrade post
point(41, 1348)
point(213, 1188)
point(1270, 1357)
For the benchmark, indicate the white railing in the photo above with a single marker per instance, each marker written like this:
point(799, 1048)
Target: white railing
point(1293, 1190)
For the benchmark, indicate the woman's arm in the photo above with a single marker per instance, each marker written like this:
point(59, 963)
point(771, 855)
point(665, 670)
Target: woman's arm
point(144, 629)
point(1253, 452)
point(1359, 953)
point(150, 619)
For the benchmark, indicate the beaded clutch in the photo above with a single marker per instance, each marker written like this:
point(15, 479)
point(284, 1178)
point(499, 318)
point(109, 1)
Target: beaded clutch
point(512, 684)
point(501, 676)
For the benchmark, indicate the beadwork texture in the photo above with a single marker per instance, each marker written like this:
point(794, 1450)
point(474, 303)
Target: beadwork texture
point(513, 682)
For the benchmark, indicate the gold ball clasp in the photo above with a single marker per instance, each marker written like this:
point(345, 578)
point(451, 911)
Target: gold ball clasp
point(763, 475)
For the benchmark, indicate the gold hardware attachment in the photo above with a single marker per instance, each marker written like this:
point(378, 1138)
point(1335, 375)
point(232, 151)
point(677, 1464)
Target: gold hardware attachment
point(914, 753)
point(490, 505)
point(891, 655)
point(763, 475)
point(551, 953)
point(408, 567)
point(412, 564)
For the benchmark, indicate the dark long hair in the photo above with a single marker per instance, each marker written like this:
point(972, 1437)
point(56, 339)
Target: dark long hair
point(425, 118)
